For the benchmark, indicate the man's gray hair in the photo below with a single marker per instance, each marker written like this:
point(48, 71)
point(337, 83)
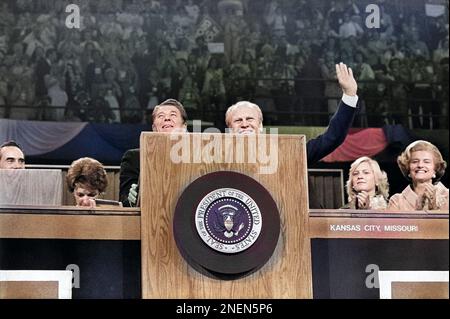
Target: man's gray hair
point(239, 104)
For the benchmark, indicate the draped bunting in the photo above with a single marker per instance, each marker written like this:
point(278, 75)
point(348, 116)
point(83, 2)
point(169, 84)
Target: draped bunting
point(106, 143)
point(121, 136)
point(60, 142)
point(39, 137)
point(366, 142)
point(64, 142)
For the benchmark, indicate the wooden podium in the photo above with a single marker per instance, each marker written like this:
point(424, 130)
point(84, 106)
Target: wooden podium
point(165, 274)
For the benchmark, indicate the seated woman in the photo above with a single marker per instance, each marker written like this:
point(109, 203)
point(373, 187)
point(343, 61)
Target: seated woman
point(422, 164)
point(367, 185)
point(86, 179)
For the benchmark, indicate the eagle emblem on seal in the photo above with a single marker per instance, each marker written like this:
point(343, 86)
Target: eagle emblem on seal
point(228, 220)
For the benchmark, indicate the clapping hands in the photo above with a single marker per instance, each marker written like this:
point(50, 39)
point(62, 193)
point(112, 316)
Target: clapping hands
point(428, 196)
point(363, 200)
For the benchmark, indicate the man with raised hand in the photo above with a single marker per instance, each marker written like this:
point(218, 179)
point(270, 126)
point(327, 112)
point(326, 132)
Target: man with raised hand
point(246, 118)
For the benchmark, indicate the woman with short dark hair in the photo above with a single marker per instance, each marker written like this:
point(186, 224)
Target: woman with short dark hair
point(86, 179)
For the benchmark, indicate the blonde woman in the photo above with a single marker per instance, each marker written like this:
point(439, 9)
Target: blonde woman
point(367, 185)
point(86, 179)
point(422, 164)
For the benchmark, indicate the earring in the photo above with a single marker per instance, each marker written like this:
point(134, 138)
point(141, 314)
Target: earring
point(434, 175)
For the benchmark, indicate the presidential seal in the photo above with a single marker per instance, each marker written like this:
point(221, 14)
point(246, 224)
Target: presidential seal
point(228, 220)
point(226, 225)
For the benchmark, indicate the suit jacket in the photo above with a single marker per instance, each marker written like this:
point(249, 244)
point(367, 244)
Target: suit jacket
point(129, 173)
point(316, 149)
point(324, 144)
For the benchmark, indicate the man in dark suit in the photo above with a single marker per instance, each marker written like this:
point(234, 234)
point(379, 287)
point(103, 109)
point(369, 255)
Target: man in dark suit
point(246, 118)
point(169, 116)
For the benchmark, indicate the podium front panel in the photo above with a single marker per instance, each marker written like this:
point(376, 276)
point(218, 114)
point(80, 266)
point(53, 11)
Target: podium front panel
point(165, 274)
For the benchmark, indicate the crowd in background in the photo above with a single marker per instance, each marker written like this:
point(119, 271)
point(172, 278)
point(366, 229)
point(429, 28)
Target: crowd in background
point(129, 55)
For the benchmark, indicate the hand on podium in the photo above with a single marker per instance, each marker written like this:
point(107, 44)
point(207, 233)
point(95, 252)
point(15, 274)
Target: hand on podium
point(132, 195)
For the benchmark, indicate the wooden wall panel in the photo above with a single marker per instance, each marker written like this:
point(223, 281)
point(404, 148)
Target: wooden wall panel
point(69, 223)
point(349, 223)
point(31, 187)
point(28, 290)
point(327, 187)
point(420, 290)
